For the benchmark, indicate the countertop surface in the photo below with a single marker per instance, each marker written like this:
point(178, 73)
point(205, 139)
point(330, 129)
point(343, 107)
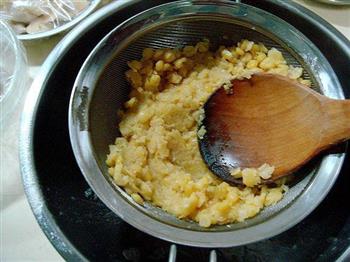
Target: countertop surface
point(21, 236)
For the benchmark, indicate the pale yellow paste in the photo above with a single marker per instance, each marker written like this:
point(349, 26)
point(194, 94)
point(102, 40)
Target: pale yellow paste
point(157, 159)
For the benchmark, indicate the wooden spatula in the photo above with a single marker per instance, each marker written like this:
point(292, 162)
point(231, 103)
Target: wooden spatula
point(270, 119)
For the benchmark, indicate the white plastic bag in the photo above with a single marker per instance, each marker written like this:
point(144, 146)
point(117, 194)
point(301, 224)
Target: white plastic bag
point(32, 16)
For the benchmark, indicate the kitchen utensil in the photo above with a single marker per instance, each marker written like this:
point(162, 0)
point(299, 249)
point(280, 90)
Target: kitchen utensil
point(271, 119)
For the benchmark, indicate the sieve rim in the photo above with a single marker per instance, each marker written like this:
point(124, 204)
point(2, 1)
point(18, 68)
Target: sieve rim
point(84, 155)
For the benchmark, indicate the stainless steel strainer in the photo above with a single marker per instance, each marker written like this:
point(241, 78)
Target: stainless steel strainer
point(101, 89)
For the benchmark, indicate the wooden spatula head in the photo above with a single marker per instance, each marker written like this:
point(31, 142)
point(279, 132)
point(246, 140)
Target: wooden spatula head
point(268, 119)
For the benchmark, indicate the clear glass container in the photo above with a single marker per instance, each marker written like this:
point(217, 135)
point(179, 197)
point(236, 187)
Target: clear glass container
point(13, 72)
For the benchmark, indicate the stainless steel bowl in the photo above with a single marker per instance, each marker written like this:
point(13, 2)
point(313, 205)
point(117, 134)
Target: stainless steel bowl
point(100, 89)
point(64, 27)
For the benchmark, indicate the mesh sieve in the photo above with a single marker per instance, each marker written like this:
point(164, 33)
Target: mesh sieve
point(101, 90)
point(112, 88)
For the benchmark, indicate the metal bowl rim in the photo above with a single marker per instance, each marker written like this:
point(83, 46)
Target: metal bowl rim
point(335, 2)
point(30, 174)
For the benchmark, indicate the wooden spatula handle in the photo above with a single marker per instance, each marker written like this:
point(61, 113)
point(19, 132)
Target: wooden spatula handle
point(337, 121)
